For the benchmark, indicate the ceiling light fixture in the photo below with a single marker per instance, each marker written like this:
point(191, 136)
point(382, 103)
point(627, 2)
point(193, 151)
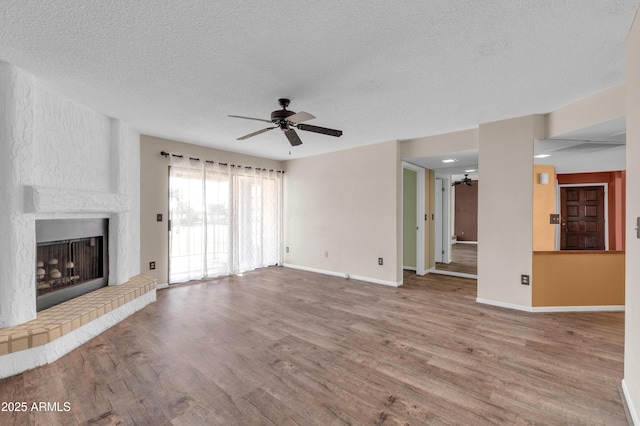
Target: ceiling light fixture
point(449, 160)
point(470, 171)
point(542, 156)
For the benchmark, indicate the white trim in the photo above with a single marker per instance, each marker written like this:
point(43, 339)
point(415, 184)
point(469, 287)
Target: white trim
point(420, 213)
point(17, 362)
point(343, 275)
point(447, 214)
point(606, 209)
point(161, 286)
point(409, 268)
point(467, 242)
point(504, 305)
point(595, 308)
point(541, 309)
point(632, 410)
point(452, 273)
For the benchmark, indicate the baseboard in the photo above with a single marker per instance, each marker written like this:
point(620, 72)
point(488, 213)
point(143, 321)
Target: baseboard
point(410, 268)
point(467, 242)
point(632, 410)
point(541, 309)
point(451, 273)
point(504, 305)
point(161, 286)
point(603, 308)
point(343, 275)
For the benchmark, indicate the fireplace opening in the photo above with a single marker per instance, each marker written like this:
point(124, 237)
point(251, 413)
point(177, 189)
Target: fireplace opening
point(71, 259)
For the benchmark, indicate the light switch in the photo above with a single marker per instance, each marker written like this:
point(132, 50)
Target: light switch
point(638, 228)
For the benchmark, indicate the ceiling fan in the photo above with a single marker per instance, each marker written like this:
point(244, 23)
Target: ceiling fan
point(286, 121)
point(466, 181)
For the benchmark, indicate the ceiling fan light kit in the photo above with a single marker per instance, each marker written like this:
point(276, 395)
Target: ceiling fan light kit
point(288, 121)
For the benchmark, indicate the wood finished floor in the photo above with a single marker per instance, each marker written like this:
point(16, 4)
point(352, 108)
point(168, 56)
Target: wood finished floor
point(285, 347)
point(464, 258)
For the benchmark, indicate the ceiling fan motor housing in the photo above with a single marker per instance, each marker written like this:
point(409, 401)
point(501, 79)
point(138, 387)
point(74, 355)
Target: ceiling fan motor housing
point(281, 115)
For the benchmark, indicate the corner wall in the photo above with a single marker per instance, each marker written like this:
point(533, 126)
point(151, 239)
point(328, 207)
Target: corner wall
point(631, 382)
point(505, 210)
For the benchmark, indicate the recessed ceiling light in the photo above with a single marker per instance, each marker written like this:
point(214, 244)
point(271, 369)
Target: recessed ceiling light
point(470, 171)
point(449, 160)
point(542, 156)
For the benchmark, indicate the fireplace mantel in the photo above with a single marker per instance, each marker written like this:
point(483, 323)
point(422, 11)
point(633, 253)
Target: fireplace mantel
point(42, 199)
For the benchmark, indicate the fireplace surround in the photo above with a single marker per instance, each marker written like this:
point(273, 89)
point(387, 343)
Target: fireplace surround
point(65, 161)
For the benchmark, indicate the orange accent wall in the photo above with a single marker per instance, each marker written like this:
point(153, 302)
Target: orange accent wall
point(616, 181)
point(544, 204)
point(578, 278)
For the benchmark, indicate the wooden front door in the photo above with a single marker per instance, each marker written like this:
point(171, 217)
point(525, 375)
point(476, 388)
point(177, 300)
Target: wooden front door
point(582, 213)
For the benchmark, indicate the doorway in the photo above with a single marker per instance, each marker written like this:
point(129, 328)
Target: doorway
point(413, 201)
point(455, 255)
point(583, 214)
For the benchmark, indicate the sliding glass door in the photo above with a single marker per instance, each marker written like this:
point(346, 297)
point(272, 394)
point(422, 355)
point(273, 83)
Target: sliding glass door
point(224, 219)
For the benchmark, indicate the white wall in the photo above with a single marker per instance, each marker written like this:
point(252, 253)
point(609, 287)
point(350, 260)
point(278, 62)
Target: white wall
point(599, 108)
point(505, 206)
point(62, 160)
point(17, 303)
point(349, 204)
point(464, 140)
point(631, 383)
point(72, 143)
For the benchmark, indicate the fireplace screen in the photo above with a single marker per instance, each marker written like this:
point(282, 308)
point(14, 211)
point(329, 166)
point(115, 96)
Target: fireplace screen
point(72, 266)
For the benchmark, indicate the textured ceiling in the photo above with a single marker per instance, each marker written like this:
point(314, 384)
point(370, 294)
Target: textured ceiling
point(378, 70)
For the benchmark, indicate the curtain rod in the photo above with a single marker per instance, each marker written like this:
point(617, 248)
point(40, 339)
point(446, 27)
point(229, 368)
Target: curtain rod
point(166, 154)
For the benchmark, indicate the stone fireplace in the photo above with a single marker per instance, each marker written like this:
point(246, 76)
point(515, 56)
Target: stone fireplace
point(65, 162)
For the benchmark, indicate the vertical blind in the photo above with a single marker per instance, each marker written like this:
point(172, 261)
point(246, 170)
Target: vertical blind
point(224, 219)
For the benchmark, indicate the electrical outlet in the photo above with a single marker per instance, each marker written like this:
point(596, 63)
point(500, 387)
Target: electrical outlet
point(152, 265)
point(286, 250)
point(380, 262)
point(326, 253)
point(159, 217)
point(524, 279)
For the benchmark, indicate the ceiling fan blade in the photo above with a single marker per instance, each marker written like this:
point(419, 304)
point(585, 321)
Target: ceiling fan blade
point(293, 137)
point(456, 183)
point(323, 130)
point(250, 135)
point(250, 118)
point(299, 117)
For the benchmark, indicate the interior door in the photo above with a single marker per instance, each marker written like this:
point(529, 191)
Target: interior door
point(582, 212)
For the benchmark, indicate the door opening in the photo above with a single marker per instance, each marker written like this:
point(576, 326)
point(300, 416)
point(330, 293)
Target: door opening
point(419, 206)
